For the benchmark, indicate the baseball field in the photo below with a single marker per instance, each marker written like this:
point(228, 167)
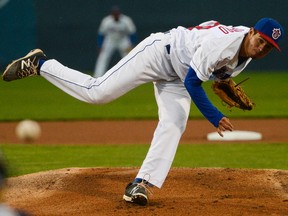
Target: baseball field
point(87, 154)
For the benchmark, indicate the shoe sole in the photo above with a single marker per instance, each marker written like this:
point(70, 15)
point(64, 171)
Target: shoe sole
point(139, 199)
point(5, 75)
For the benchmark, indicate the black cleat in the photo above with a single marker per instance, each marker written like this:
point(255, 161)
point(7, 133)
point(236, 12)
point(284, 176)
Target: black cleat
point(136, 193)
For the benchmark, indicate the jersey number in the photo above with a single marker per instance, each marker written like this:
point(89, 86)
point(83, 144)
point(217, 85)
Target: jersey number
point(224, 29)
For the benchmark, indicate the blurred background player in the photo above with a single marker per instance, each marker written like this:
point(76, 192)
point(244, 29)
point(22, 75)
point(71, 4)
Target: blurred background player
point(116, 32)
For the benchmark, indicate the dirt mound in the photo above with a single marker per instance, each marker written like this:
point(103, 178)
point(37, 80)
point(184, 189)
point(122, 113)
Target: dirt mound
point(187, 191)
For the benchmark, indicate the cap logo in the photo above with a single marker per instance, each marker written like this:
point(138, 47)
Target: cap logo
point(276, 33)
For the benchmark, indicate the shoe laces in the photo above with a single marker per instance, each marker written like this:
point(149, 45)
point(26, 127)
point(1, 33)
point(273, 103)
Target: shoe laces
point(144, 184)
point(28, 68)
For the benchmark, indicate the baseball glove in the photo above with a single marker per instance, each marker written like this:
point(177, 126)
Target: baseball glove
point(232, 94)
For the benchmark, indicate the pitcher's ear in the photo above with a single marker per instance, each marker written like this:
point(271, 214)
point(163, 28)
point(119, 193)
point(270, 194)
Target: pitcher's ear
point(252, 31)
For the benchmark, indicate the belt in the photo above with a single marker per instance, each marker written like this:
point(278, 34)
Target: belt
point(168, 48)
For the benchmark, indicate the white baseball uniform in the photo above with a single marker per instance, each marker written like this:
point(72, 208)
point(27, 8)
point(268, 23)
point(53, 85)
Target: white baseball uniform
point(116, 37)
point(164, 59)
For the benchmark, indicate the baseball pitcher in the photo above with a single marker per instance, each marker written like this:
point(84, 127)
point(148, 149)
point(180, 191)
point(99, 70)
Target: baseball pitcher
point(177, 62)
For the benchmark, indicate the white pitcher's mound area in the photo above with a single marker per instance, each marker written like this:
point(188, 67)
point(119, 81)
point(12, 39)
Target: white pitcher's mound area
point(234, 136)
point(187, 191)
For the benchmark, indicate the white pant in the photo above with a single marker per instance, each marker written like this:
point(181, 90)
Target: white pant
point(147, 62)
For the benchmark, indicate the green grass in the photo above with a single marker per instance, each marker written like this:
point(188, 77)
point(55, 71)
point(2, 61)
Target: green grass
point(35, 98)
point(24, 159)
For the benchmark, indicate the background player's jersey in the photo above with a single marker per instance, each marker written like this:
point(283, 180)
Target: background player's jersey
point(211, 49)
point(116, 32)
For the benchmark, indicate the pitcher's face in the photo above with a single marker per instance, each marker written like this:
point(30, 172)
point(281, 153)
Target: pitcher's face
point(255, 46)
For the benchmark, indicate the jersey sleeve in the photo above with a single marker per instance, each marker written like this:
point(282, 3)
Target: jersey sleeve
point(103, 26)
point(130, 25)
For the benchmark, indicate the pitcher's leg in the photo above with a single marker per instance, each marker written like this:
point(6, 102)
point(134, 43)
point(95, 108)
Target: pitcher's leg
point(72, 82)
point(136, 68)
point(174, 106)
point(87, 88)
point(116, 82)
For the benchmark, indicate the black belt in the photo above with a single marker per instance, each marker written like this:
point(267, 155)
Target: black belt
point(168, 48)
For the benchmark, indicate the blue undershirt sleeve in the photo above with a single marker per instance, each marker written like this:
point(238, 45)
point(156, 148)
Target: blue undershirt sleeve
point(100, 39)
point(194, 86)
point(133, 38)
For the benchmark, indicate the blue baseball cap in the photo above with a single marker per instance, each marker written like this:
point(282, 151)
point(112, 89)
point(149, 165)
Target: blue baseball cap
point(270, 30)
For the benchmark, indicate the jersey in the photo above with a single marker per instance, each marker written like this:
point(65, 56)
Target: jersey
point(211, 49)
point(117, 32)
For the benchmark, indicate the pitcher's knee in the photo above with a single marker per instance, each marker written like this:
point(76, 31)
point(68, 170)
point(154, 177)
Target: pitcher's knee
point(180, 123)
point(174, 126)
point(99, 97)
point(181, 127)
